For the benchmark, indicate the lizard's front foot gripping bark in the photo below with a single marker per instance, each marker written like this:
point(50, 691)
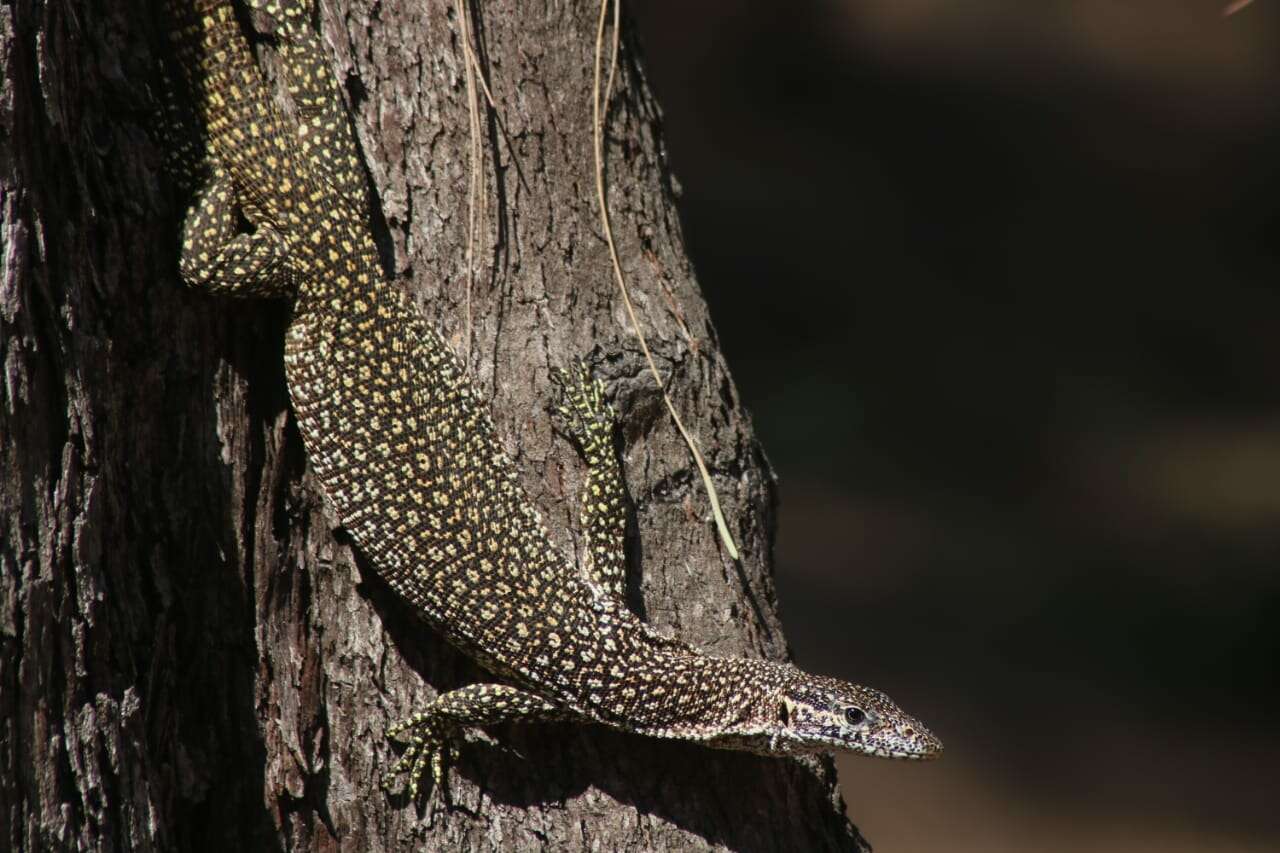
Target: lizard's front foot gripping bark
point(431, 741)
point(581, 411)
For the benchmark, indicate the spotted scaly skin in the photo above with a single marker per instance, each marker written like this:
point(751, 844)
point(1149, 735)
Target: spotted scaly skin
point(410, 459)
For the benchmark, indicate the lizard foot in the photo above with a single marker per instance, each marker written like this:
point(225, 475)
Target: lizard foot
point(581, 411)
point(431, 743)
point(432, 734)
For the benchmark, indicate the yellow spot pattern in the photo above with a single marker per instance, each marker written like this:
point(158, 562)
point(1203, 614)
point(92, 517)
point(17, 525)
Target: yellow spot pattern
point(409, 455)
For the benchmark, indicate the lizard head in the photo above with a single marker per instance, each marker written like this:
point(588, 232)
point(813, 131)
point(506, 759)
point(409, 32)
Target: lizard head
point(802, 713)
point(819, 714)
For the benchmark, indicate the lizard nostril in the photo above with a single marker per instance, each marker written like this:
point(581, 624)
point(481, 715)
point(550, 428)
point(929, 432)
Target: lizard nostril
point(908, 731)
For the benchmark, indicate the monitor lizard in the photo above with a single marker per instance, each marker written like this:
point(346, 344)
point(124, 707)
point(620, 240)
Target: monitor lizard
point(407, 452)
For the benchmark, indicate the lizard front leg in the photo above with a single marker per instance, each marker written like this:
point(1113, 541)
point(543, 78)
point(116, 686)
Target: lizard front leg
point(584, 415)
point(432, 732)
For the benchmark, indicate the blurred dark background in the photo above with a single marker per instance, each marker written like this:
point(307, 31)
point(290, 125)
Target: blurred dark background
point(997, 280)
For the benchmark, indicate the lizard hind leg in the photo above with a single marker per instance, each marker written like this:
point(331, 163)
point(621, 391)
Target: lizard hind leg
point(432, 734)
point(216, 257)
point(584, 416)
point(213, 255)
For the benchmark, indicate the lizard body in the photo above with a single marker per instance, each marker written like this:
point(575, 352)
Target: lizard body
point(410, 458)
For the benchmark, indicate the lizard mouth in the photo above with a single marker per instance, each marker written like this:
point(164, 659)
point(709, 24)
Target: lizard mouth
point(908, 755)
point(911, 743)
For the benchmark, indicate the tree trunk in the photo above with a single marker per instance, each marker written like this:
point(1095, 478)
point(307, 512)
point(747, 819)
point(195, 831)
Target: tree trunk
point(191, 656)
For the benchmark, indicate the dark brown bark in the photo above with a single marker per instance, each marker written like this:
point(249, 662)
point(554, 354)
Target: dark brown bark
point(190, 656)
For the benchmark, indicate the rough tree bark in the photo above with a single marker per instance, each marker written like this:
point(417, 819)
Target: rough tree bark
point(190, 655)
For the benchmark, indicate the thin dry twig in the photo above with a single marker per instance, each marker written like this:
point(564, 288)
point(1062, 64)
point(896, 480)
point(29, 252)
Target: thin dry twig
point(598, 136)
point(476, 155)
point(484, 86)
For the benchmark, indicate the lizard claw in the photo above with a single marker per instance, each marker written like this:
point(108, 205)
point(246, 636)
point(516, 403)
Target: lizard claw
point(581, 411)
point(429, 744)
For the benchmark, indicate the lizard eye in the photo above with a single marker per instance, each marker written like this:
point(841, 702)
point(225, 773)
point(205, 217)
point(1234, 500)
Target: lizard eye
point(854, 716)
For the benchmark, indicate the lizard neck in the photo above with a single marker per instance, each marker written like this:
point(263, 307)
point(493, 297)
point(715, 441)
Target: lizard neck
point(668, 689)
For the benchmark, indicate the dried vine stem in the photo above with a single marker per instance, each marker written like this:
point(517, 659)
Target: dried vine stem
point(476, 158)
point(598, 135)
